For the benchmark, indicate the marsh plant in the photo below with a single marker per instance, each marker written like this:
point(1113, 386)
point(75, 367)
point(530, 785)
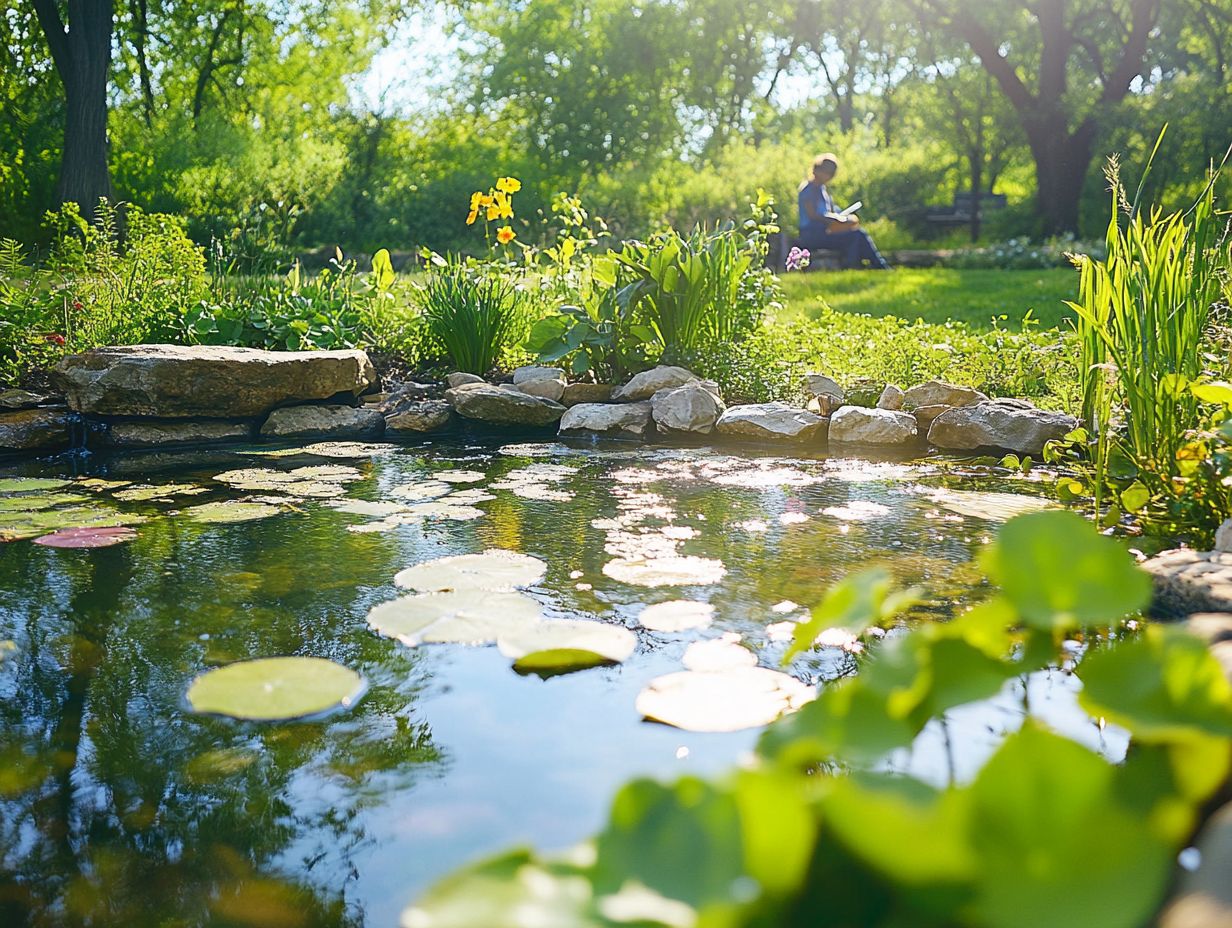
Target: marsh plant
point(473, 314)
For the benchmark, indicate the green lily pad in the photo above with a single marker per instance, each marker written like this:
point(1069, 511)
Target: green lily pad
point(470, 616)
point(364, 507)
point(144, 493)
point(348, 450)
point(562, 645)
point(666, 571)
point(327, 473)
point(275, 688)
point(20, 525)
point(725, 700)
point(441, 509)
point(676, 615)
point(29, 484)
point(494, 569)
point(231, 511)
point(34, 502)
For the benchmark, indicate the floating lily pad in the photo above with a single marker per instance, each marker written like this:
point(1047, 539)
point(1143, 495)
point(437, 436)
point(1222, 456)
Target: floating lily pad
point(348, 450)
point(231, 511)
point(328, 473)
point(469, 497)
point(677, 615)
point(494, 569)
point(425, 489)
point(717, 654)
point(440, 510)
point(15, 526)
point(562, 645)
point(666, 571)
point(994, 507)
point(29, 484)
point(720, 701)
point(87, 537)
point(99, 483)
point(471, 616)
point(364, 507)
point(275, 688)
point(460, 476)
point(540, 491)
point(34, 502)
point(535, 450)
point(144, 493)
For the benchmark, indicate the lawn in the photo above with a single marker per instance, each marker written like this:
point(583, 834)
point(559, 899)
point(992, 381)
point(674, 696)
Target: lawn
point(936, 295)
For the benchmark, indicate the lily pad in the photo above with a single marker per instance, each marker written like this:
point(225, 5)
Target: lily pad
point(34, 502)
point(144, 493)
point(666, 571)
point(275, 688)
point(470, 616)
point(19, 525)
point(993, 507)
point(348, 450)
point(721, 701)
point(460, 476)
point(677, 615)
point(469, 497)
point(562, 645)
point(494, 569)
point(231, 511)
point(535, 449)
point(327, 473)
point(88, 537)
point(28, 484)
point(722, 653)
point(425, 489)
point(364, 507)
point(440, 509)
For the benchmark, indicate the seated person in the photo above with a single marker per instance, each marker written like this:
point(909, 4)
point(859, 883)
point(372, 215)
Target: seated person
point(821, 226)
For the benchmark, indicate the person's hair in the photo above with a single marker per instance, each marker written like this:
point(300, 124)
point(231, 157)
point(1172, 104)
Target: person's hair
point(825, 162)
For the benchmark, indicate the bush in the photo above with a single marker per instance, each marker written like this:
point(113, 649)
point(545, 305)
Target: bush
point(474, 313)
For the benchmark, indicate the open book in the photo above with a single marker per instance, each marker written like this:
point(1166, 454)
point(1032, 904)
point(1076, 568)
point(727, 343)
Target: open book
point(853, 208)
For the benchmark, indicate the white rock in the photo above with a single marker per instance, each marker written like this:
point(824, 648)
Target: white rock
point(940, 393)
point(503, 405)
point(626, 419)
point(532, 373)
point(864, 426)
point(770, 422)
point(458, 378)
point(1009, 425)
point(1223, 537)
point(547, 389)
point(891, 398)
point(690, 408)
point(646, 384)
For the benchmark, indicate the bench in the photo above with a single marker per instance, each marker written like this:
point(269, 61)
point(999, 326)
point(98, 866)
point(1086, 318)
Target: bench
point(820, 259)
point(961, 211)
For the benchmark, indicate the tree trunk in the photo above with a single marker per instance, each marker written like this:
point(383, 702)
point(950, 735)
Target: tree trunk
point(1062, 160)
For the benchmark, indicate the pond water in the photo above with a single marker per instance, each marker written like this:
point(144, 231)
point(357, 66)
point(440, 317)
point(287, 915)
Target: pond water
point(119, 805)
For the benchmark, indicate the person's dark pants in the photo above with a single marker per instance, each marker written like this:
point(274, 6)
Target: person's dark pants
point(853, 247)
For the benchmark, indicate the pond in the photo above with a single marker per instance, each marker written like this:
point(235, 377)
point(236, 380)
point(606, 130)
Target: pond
point(121, 805)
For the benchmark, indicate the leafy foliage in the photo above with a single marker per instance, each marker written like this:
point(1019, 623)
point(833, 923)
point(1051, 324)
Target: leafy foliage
point(473, 314)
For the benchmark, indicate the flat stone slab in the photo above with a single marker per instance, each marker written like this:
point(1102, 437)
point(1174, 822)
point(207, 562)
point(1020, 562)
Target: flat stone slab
point(147, 433)
point(771, 422)
point(578, 393)
point(338, 422)
point(940, 393)
point(693, 407)
point(35, 430)
point(503, 405)
point(631, 420)
point(1188, 582)
point(423, 416)
point(176, 381)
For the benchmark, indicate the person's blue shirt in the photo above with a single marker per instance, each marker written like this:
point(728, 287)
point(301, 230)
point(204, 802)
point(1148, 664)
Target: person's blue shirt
point(820, 198)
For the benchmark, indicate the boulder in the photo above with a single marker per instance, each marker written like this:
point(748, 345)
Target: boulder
point(408, 394)
point(771, 422)
point(818, 385)
point(694, 407)
point(1223, 536)
point(503, 405)
point(891, 398)
point(576, 393)
point(148, 433)
point(547, 382)
point(621, 419)
point(823, 405)
point(1188, 582)
point(336, 422)
point(859, 425)
point(646, 384)
point(461, 378)
point(35, 430)
point(24, 399)
point(1211, 627)
point(926, 415)
point(423, 416)
point(185, 382)
point(940, 393)
point(1007, 425)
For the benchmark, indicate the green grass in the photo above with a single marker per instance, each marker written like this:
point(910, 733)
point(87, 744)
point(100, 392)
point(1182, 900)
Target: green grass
point(937, 295)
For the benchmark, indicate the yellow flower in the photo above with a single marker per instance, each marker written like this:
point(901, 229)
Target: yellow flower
point(493, 212)
point(509, 185)
point(506, 206)
point(505, 235)
point(476, 200)
point(472, 216)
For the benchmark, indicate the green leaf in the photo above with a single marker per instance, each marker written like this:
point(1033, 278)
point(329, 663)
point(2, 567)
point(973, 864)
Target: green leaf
point(382, 269)
point(855, 603)
point(1060, 573)
point(275, 688)
point(1135, 497)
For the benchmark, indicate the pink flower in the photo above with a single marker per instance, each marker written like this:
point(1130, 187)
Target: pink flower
point(797, 259)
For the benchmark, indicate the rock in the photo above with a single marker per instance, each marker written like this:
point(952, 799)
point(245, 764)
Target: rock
point(891, 398)
point(859, 425)
point(823, 405)
point(693, 407)
point(576, 393)
point(1189, 581)
point(35, 430)
point(771, 422)
point(819, 385)
point(624, 419)
point(1211, 627)
point(147, 433)
point(1007, 425)
point(503, 405)
point(646, 384)
point(24, 399)
point(424, 416)
point(406, 395)
point(926, 415)
point(940, 393)
point(865, 392)
point(336, 422)
point(1204, 897)
point(1223, 536)
point(185, 382)
point(547, 382)
point(461, 378)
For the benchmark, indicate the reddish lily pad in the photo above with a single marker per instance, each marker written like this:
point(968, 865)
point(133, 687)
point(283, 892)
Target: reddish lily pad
point(88, 537)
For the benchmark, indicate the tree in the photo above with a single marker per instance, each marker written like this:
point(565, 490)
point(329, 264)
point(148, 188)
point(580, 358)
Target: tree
point(79, 38)
point(1085, 56)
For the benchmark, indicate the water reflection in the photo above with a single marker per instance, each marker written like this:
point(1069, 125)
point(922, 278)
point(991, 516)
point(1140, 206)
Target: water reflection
point(118, 806)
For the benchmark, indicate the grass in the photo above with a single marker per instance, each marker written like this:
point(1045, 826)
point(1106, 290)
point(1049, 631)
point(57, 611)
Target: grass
point(937, 295)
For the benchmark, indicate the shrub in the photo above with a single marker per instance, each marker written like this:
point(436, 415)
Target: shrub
point(474, 314)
